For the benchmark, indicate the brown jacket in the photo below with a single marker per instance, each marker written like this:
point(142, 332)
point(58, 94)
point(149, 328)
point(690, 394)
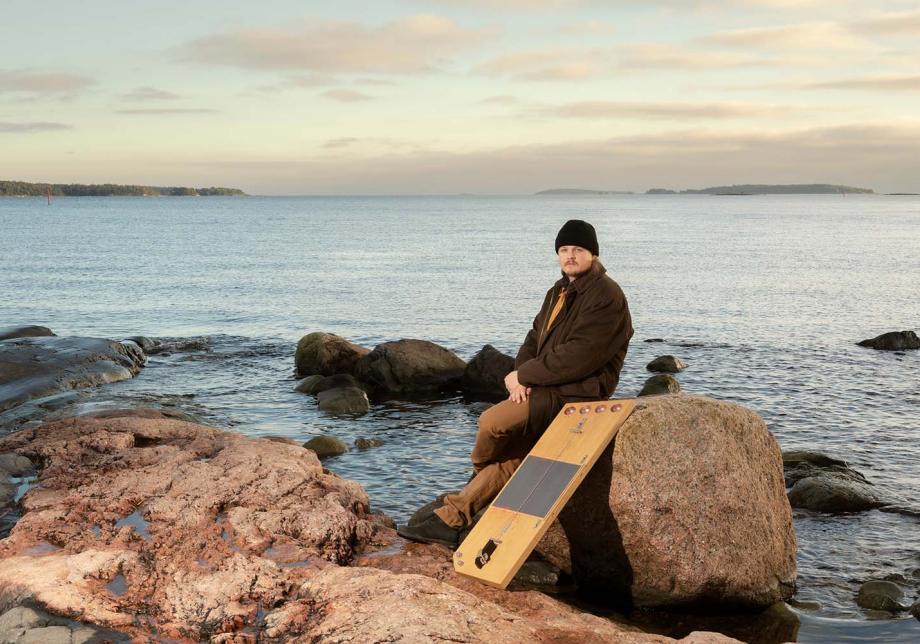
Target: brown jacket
point(580, 356)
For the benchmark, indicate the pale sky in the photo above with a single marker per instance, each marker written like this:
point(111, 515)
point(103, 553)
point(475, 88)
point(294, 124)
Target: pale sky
point(451, 96)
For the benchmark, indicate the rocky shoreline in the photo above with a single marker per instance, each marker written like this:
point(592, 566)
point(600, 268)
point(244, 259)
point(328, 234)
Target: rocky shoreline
point(139, 525)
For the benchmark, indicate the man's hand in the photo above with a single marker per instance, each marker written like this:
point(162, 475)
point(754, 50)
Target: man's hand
point(520, 394)
point(511, 382)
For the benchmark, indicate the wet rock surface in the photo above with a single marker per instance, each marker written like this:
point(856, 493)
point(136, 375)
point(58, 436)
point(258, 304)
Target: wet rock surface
point(338, 381)
point(305, 385)
point(42, 367)
point(893, 341)
point(687, 507)
point(410, 366)
point(11, 332)
point(154, 526)
point(663, 383)
point(485, 373)
point(881, 595)
point(25, 625)
point(326, 354)
point(666, 364)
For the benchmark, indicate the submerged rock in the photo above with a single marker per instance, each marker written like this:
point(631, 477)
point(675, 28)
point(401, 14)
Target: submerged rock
point(666, 364)
point(326, 446)
point(915, 609)
point(326, 354)
point(485, 373)
point(338, 381)
point(410, 366)
point(663, 383)
point(686, 508)
point(44, 366)
point(368, 443)
point(881, 595)
point(344, 400)
point(10, 332)
point(893, 341)
point(305, 385)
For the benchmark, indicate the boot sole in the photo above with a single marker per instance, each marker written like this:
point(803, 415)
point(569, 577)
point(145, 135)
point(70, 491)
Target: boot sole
point(418, 539)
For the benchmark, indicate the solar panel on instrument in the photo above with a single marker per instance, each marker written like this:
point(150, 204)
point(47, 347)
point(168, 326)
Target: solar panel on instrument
point(510, 528)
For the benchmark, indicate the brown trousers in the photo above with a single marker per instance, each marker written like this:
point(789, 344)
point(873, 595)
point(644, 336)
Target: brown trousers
point(500, 448)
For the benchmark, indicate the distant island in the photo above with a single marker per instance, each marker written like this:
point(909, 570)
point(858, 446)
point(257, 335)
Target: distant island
point(660, 191)
point(24, 189)
point(579, 191)
point(792, 189)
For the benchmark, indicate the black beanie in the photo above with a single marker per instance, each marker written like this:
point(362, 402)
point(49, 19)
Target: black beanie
point(576, 232)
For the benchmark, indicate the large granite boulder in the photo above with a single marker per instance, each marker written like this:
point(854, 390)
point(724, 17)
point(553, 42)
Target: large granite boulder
point(893, 341)
point(485, 373)
point(38, 367)
point(11, 332)
point(686, 508)
point(326, 354)
point(410, 366)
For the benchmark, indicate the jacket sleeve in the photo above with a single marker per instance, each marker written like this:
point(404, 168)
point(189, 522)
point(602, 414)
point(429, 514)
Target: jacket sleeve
point(528, 350)
point(599, 333)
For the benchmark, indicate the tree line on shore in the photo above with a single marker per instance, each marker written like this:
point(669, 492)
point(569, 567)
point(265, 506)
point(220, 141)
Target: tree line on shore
point(25, 189)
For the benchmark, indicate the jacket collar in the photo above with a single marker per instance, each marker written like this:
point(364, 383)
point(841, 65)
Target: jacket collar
point(583, 282)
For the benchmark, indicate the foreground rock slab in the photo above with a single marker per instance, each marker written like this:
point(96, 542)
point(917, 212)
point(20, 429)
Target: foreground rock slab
point(167, 528)
point(9, 332)
point(420, 599)
point(686, 508)
point(43, 366)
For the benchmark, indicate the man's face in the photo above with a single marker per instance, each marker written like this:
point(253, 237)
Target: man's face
point(574, 260)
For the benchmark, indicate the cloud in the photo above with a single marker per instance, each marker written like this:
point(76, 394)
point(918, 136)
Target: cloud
point(177, 110)
point(883, 82)
point(347, 95)
point(413, 44)
point(659, 55)
point(575, 71)
point(895, 23)
point(587, 28)
point(883, 157)
point(670, 110)
point(810, 36)
point(503, 99)
point(343, 142)
point(147, 93)
point(40, 126)
point(40, 82)
point(374, 81)
point(564, 65)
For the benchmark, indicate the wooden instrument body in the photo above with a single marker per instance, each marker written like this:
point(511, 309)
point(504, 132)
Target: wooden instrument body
point(520, 515)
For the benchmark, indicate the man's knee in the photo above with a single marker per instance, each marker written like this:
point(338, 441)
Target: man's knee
point(496, 422)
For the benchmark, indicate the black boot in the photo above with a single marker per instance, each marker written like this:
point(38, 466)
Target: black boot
point(431, 530)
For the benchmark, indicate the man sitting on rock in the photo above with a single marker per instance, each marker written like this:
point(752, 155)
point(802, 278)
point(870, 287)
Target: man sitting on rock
point(574, 352)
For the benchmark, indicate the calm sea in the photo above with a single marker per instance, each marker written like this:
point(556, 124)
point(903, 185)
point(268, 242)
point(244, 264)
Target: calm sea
point(764, 298)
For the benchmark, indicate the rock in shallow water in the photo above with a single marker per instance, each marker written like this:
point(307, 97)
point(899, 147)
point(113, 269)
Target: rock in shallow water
point(663, 383)
point(687, 507)
point(485, 373)
point(326, 354)
point(893, 341)
point(325, 446)
point(305, 385)
point(829, 491)
point(881, 595)
point(44, 366)
point(344, 400)
point(338, 381)
point(666, 364)
point(410, 366)
point(11, 332)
